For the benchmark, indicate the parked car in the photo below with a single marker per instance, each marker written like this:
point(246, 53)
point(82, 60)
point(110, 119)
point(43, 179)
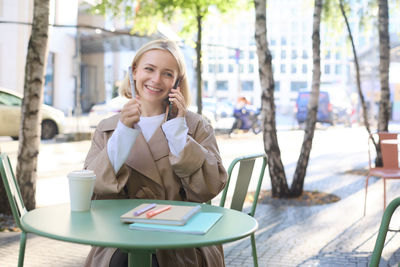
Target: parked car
point(105, 110)
point(10, 116)
point(324, 107)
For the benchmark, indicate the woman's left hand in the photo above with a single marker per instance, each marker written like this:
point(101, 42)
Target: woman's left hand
point(178, 101)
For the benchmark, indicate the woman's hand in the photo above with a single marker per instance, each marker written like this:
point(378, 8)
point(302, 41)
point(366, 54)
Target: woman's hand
point(130, 113)
point(178, 101)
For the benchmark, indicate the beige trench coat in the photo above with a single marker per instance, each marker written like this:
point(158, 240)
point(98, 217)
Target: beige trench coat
point(152, 172)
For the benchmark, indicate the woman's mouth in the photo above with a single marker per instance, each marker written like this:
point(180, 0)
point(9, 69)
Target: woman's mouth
point(153, 89)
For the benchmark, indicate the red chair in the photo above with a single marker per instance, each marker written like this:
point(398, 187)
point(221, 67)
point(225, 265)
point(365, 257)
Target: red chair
point(390, 159)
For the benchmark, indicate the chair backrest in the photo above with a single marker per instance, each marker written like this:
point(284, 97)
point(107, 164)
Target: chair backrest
point(390, 153)
point(245, 171)
point(12, 189)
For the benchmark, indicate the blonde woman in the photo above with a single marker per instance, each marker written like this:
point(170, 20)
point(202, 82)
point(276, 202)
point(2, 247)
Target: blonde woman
point(157, 149)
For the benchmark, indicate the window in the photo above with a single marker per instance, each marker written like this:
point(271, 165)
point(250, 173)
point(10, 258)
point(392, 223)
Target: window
point(338, 69)
point(293, 68)
point(283, 68)
point(205, 86)
point(273, 41)
point(338, 55)
point(49, 81)
point(328, 55)
point(304, 69)
point(296, 86)
point(222, 85)
point(220, 68)
point(283, 40)
point(327, 69)
point(294, 54)
point(251, 68)
point(230, 68)
point(283, 54)
point(247, 86)
point(211, 68)
point(241, 68)
point(9, 100)
point(305, 56)
point(277, 86)
point(251, 54)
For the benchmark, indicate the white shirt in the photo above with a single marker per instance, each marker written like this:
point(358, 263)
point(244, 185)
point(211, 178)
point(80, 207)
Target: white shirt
point(120, 143)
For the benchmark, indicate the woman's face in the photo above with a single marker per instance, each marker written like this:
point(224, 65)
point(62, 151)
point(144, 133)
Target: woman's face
point(155, 75)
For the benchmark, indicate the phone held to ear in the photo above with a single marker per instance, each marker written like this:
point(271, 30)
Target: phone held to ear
point(172, 114)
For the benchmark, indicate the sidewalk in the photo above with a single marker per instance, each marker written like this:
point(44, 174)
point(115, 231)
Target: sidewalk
point(325, 235)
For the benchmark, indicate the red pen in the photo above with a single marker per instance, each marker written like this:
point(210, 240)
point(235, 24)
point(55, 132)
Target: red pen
point(157, 211)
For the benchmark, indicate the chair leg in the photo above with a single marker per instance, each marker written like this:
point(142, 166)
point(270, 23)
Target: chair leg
point(384, 194)
point(22, 244)
point(254, 250)
point(366, 191)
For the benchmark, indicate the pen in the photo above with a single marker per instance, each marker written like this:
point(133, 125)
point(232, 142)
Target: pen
point(158, 211)
point(144, 209)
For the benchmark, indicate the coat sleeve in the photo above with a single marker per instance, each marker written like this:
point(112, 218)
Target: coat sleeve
point(199, 165)
point(107, 182)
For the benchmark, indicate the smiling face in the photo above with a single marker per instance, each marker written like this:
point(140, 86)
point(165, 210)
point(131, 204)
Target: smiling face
point(154, 75)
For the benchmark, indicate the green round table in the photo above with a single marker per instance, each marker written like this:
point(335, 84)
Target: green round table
point(101, 226)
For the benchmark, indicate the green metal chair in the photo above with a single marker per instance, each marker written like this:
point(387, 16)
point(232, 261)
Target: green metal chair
point(383, 229)
point(245, 171)
point(15, 199)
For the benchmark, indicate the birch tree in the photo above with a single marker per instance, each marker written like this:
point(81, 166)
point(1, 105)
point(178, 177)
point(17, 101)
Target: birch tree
point(29, 136)
point(279, 183)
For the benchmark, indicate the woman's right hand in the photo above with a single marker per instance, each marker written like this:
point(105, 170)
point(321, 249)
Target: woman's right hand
point(130, 113)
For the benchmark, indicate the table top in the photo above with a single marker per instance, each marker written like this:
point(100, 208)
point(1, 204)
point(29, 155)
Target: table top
point(101, 226)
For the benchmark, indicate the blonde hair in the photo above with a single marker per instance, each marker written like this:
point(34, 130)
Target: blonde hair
point(165, 45)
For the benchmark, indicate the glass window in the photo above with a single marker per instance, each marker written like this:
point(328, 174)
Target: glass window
point(251, 54)
point(211, 68)
point(283, 54)
point(328, 55)
point(48, 91)
point(251, 68)
point(305, 56)
point(205, 86)
point(247, 86)
point(283, 40)
point(338, 69)
point(327, 69)
point(9, 100)
point(241, 68)
point(296, 86)
point(222, 85)
point(304, 68)
point(293, 68)
point(230, 68)
point(294, 54)
point(338, 55)
point(220, 68)
point(283, 68)
point(277, 86)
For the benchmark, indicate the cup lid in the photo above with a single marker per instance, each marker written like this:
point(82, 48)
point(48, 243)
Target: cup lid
point(82, 174)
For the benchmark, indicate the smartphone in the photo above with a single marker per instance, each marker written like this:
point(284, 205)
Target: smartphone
point(170, 113)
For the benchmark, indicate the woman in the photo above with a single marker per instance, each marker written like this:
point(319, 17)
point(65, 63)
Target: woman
point(140, 154)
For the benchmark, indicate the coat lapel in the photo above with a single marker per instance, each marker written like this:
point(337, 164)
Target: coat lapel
point(143, 155)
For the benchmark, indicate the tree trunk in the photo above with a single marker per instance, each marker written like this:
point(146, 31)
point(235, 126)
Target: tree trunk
point(384, 61)
point(300, 172)
point(358, 81)
point(275, 166)
point(198, 62)
point(29, 136)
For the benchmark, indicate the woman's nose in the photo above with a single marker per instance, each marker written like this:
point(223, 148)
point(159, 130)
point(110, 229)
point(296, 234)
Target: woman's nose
point(156, 77)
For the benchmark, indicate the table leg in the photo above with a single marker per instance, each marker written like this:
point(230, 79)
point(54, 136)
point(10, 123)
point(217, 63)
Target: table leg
point(139, 258)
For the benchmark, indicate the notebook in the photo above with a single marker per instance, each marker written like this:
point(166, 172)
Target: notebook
point(199, 224)
point(176, 215)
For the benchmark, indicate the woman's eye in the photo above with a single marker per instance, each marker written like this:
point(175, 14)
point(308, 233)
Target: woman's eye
point(148, 68)
point(168, 74)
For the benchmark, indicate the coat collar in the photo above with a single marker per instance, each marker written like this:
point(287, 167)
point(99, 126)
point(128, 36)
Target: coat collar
point(144, 154)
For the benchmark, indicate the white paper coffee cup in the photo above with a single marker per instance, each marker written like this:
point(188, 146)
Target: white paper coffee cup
point(81, 185)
